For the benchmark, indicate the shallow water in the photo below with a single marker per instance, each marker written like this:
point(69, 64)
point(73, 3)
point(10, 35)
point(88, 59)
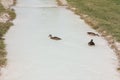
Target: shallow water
point(33, 56)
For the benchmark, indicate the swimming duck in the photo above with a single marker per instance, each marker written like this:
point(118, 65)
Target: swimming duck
point(91, 43)
point(54, 38)
point(92, 34)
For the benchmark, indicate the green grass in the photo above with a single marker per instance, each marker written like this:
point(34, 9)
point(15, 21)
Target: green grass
point(104, 14)
point(11, 13)
point(3, 29)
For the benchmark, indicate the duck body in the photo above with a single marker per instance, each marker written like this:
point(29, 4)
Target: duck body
point(91, 43)
point(92, 34)
point(54, 38)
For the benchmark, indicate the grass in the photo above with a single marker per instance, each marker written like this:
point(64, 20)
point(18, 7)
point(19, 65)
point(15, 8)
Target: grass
point(11, 13)
point(102, 14)
point(3, 29)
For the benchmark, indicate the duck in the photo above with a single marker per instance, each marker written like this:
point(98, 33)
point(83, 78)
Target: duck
point(91, 43)
point(92, 34)
point(54, 38)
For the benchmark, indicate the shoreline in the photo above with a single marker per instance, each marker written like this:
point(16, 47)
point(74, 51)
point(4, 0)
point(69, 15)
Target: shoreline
point(113, 44)
point(8, 15)
point(62, 2)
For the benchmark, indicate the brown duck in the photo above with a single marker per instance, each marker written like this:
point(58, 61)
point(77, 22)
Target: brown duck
point(54, 38)
point(92, 34)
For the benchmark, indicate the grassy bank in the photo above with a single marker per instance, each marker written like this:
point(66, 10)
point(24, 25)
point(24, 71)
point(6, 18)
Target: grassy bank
point(3, 29)
point(100, 14)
